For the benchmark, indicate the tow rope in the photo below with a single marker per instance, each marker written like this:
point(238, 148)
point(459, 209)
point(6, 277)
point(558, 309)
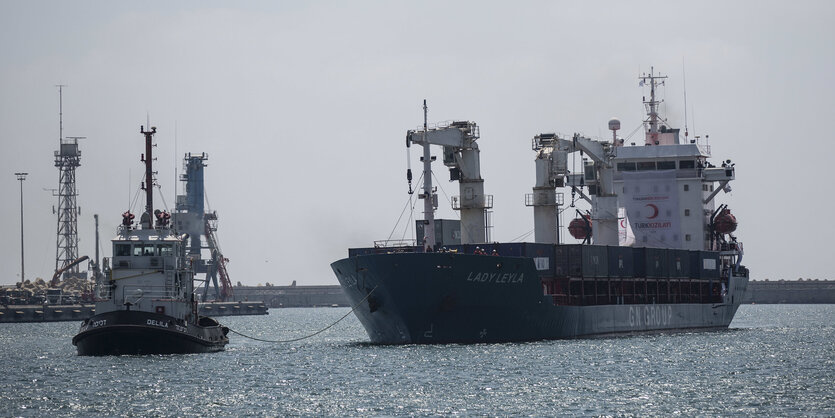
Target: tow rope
point(311, 335)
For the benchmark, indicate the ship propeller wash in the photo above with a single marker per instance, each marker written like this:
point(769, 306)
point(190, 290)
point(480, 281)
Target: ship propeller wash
point(145, 301)
point(657, 252)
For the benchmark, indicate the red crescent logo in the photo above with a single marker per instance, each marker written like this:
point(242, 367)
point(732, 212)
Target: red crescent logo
point(655, 209)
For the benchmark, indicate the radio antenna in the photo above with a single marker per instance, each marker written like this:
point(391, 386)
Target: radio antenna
point(684, 82)
point(60, 111)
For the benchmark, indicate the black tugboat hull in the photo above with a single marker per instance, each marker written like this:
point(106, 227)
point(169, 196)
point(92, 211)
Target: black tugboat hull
point(134, 332)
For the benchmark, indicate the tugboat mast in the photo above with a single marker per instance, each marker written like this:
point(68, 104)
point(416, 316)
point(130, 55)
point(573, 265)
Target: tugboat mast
point(428, 196)
point(148, 158)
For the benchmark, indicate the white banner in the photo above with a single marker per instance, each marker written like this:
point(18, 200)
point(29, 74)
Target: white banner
point(625, 236)
point(651, 201)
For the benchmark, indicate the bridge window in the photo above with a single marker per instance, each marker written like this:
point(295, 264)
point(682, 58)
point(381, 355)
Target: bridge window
point(646, 165)
point(626, 166)
point(666, 165)
point(121, 250)
point(686, 164)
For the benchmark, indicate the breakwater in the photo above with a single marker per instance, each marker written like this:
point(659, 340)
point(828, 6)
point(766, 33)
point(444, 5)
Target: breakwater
point(257, 300)
point(790, 291)
point(293, 296)
point(45, 313)
point(758, 291)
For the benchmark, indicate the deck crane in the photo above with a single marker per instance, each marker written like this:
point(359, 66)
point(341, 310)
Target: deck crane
point(599, 175)
point(461, 156)
point(551, 169)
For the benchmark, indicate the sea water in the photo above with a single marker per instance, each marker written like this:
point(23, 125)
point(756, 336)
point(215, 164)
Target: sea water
point(774, 360)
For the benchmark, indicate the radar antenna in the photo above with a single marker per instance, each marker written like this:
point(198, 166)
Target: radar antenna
point(651, 78)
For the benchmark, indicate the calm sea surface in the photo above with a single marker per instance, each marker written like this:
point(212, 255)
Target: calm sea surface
point(775, 360)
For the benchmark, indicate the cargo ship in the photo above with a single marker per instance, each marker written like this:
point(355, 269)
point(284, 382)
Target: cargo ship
point(656, 253)
point(145, 301)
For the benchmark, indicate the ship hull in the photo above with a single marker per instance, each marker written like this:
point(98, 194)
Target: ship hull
point(137, 332)
point(433, 298)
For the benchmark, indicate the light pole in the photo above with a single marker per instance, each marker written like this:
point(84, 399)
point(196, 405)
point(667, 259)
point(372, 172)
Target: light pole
point(21, 177)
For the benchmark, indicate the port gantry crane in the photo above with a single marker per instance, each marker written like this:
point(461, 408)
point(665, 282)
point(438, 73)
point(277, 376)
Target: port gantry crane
point(191, 218)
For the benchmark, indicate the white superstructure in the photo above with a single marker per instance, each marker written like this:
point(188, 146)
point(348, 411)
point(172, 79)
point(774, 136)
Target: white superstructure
point(149, 271)
point(666, 185)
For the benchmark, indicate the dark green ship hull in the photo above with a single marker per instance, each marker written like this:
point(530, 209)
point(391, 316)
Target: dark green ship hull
point(431, 298)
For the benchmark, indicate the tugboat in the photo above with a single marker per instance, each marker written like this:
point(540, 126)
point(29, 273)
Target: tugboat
point(670, 262)
point(145, 301)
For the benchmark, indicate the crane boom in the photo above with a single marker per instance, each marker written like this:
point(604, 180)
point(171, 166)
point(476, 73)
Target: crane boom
point(461, 155)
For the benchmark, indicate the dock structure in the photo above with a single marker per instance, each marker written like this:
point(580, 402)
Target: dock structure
point(67, 159)
point(65, 313)
point(293, 296)
point(192, 218)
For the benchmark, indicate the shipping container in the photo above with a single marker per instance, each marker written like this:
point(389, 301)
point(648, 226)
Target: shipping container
point(543, 257)
point(679, 264)
point(656, 263)
point(515, 249)
point(695, 262)
point(447, 232)
point(568, 260)
point(639, 260)
point(621, 263)
point(595, 262)
point(704, 264)
point(512, 249)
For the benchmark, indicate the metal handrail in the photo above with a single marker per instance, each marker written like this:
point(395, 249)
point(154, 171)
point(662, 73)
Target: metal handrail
point(388, 243)
point(559, 200)
point(487, 203)
point(152, 292)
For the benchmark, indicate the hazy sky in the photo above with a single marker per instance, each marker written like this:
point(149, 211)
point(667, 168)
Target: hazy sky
point(303, 109)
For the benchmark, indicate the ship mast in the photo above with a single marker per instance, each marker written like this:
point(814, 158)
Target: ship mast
point(148, 158)
point(428, 196)
point(652, 137)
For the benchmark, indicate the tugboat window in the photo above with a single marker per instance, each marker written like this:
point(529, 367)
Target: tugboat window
point(166, 249)
point(122, 250)
point(140, 250)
